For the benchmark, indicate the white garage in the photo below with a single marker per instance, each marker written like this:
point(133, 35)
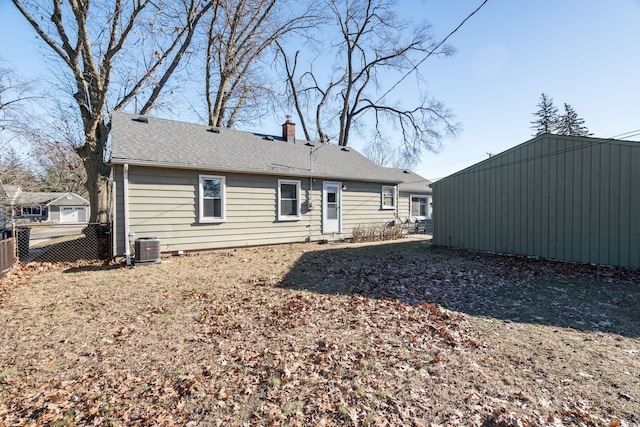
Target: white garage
point(68, 208)
point(73, 214)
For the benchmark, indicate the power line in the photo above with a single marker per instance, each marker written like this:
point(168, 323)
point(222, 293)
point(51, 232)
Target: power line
point(627, 134)
point(433, 50)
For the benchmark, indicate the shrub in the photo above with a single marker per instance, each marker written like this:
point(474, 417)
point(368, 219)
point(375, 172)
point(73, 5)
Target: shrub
point(376, 232)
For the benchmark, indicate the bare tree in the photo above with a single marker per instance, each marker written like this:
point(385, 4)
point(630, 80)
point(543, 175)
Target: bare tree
point(373, 44)
point(380, 152)
point(14, 170)
point(112, 52)
point(239, 34)
point(60, 168)
point(15, 97)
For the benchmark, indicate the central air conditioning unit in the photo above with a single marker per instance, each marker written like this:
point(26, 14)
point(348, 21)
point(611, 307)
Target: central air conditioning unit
point(147, 251)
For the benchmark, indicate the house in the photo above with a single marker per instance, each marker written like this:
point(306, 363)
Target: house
point(196, 187)
point(414, 200)
point(559, 197)
point(414, 194)
point(28, 206)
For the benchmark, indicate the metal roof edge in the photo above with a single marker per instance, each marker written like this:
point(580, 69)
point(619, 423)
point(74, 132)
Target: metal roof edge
point(584, 139)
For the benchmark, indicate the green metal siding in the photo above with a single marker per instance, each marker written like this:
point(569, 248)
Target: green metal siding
point(566, 198)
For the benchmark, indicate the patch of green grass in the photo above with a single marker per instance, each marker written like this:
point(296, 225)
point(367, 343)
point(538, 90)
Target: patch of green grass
point(369, 419)
point(142, 389)
point(8, 373)
point(383, 393)
point(366, 369)
point(344, 413)
point(274, 381)
point(68, 417)
point(292, 406)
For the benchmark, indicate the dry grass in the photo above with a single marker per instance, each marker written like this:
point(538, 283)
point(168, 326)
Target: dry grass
point(376, 232)
point(393, 334)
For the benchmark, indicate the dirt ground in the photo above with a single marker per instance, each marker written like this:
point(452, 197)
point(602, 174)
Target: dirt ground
point(401, 333)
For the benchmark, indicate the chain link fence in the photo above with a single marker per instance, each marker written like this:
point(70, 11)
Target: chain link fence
point(45, 242)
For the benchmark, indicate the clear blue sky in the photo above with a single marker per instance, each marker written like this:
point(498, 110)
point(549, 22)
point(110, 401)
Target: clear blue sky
point(582, 52)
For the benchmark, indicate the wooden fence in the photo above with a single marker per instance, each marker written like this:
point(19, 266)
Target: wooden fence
point(7, 255)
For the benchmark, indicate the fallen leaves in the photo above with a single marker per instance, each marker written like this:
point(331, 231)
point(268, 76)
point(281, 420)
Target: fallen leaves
point(278, 336)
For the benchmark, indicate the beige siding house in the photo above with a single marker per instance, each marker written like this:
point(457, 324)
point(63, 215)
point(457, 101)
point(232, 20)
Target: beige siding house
point(414, 194)
point(559, 197)
point(415, 204)
point(194, 187)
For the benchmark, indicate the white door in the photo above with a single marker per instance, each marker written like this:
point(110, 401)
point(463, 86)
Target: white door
point(72, 214)
point(331, 201)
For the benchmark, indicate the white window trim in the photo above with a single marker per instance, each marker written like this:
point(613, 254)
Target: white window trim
point(428, 203)
point(223, 197)
point(395, 196)
point(420, 196)
point(289, 217)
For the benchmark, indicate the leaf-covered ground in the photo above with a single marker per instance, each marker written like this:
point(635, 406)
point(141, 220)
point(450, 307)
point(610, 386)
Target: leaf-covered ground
point(394, 334)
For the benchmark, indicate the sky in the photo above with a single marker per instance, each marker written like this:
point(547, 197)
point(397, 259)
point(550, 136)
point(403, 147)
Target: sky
point(582, 52)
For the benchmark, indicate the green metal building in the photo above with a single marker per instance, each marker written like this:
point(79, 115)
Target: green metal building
point(558, 197)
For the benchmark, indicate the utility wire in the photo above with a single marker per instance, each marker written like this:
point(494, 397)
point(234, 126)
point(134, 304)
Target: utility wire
point(433, 50)
point(627, 134)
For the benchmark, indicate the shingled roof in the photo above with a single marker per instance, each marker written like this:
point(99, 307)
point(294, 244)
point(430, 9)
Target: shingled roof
point(411, 181)
point(158, 142)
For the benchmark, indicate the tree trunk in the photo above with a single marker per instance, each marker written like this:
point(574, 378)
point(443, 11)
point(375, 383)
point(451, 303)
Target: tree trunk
point(99, 196)
point(98, 174)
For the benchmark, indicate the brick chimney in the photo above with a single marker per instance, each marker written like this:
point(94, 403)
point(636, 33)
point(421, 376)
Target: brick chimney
point(289, 130)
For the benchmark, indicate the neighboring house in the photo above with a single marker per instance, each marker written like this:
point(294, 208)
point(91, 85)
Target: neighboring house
point(559, 197)
point(5, 203)
point(195, 187)
point(39, 206)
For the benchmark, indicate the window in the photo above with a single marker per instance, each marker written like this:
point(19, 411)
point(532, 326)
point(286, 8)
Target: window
point(419, 206)
point(31, 211)
point(211, 198)
point(388, 197)
point(288, 200)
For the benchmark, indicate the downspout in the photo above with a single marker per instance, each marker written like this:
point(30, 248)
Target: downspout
point(311, 205)
point(125, 196)
point(310, 201)
point(397, 209)
point(114, 219)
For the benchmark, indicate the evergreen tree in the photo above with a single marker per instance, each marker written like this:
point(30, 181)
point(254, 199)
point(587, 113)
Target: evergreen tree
point(571, 124)
point(547, 120)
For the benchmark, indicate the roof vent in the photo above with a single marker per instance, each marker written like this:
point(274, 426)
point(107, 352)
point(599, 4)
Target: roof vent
point(213, 130)
point(344, 149)
point(268, 138)
point(406, 171)
point(141, 119)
